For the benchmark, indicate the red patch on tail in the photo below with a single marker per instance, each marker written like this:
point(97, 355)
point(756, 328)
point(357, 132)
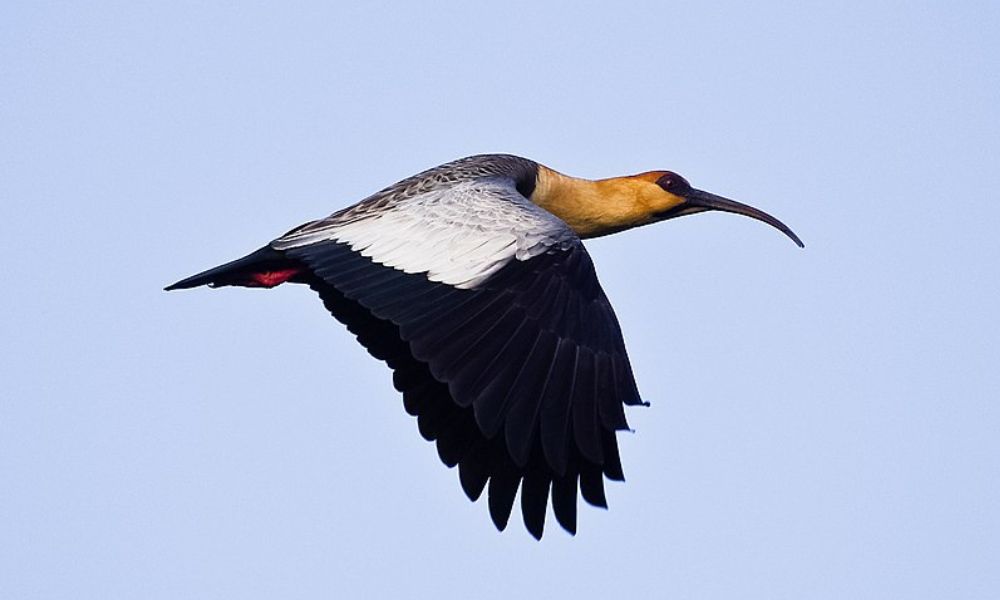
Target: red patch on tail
point(270, 279)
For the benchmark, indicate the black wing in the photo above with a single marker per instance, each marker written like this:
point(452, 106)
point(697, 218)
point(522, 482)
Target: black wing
point(521, 381)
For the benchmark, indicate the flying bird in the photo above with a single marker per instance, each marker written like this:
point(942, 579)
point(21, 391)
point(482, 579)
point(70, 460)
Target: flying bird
point(470, 280)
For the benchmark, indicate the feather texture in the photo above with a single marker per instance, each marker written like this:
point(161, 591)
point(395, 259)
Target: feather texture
point(489, 312)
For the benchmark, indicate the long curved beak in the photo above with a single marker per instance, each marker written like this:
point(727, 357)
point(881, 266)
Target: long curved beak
point(699, 200)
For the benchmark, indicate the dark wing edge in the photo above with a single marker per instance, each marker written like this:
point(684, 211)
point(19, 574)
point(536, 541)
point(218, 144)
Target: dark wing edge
point(521, 382)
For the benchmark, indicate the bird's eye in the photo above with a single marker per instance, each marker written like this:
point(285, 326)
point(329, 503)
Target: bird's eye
point(673, 183)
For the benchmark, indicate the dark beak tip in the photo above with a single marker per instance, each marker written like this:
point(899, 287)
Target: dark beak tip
point(709, 201)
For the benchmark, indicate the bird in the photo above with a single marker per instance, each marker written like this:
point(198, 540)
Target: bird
point(470, 280)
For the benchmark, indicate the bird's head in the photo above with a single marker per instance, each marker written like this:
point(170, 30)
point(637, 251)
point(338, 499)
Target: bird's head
point(595, 208)
point(668, 195)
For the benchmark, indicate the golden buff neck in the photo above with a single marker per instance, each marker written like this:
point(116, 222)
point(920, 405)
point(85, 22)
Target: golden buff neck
point(596, 208)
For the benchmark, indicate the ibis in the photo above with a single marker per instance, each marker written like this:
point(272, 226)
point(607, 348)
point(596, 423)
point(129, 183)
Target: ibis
point(471, 282)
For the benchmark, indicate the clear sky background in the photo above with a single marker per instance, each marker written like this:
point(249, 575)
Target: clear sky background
point(824, 422)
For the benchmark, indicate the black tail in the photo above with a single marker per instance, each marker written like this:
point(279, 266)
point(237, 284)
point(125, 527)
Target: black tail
point(266, 267)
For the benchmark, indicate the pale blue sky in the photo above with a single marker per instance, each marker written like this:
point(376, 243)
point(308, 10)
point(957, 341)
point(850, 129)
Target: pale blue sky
point(824, 422)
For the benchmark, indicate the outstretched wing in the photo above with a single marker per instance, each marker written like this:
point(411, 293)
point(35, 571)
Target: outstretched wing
point(505, 347)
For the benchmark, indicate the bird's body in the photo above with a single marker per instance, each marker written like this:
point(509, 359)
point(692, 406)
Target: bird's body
point(471, 282)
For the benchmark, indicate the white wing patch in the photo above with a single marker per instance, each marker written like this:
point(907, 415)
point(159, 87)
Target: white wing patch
point(459, 235)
